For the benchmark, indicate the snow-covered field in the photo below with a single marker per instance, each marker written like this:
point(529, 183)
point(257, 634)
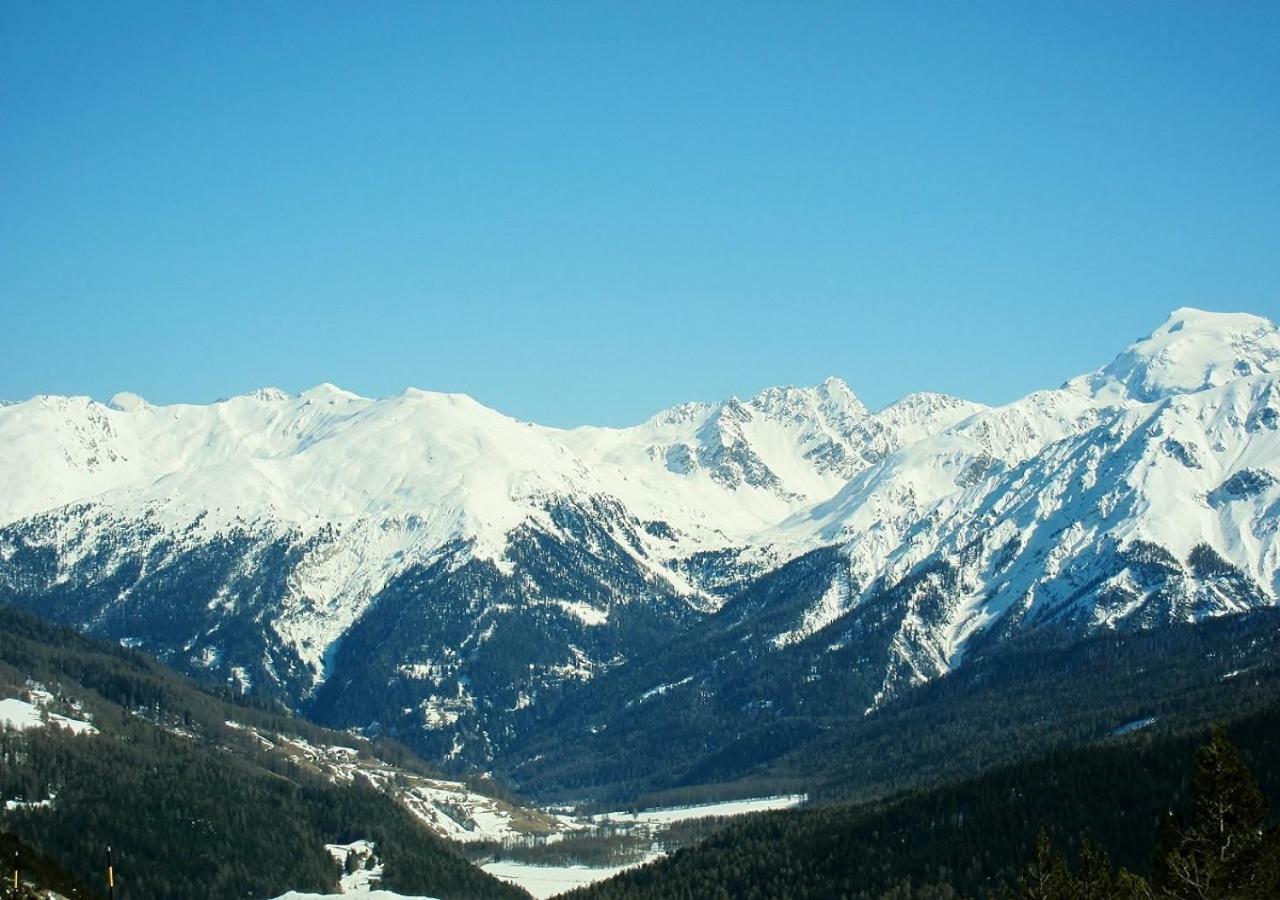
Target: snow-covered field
point(1136, 725)
point(667, 815)
point(21, 715)
point(370, 895)
point(548, 881)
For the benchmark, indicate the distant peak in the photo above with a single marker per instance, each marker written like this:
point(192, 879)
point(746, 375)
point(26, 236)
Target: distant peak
point(831, 386)
point(269, 395)
point(1193, 319)
point(683, 412)
point(126, 401)
point(455, 399)
point(929, 400)
point(327, 391)
point(833, 397)
point(1193, 350)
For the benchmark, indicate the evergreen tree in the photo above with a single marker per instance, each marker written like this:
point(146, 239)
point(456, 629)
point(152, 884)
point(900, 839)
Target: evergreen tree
point(1045, 876)
point(1131, 887)
point(1218, 849)
point(1093, 879)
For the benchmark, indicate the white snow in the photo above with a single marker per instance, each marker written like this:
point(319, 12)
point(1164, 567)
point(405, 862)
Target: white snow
point(21, 715)
point(1136, 725)
point(1193, 350)
point(667, 815)
point(377, 485)
point(368, 895)
point(548, 881)
point(361, 855)
point(14, 805)
point(661, 689)
point(583, 612)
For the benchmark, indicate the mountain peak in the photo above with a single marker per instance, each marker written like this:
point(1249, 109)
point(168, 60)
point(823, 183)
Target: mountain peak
point(833, 398)
point(269, 395)
point(324, 391)
point(920, 402)
point(1190, 318)
point(835, 384)
point(444, 399)
point(1193, 350)
point(837, 390)
point(126, 401)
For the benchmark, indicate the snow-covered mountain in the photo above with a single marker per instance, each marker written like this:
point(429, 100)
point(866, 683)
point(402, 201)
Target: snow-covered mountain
point(436, 568)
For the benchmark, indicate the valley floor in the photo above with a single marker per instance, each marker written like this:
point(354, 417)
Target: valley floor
point(550, 880)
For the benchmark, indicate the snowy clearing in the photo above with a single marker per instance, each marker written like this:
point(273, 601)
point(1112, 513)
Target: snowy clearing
point(20, 715)
point(1136, 725)
point(707, 810)
point(370, 895)
point(548, 881)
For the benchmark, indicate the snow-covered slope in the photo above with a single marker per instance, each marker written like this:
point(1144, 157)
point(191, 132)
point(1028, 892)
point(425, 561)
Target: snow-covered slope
point(359, 490)
point(425, 559)
point(1144, 492)
point(718, 472)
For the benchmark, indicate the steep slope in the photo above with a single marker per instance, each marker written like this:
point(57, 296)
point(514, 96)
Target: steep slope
point(1144, 493)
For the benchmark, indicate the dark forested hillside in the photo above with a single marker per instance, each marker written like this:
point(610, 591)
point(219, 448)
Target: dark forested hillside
point(971, 839)
point(760, 726)
point(190, 806)
point(37, 874)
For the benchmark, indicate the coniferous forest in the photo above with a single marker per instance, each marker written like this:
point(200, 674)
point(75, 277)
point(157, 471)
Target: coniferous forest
point(1167, 818)
point(189, 806)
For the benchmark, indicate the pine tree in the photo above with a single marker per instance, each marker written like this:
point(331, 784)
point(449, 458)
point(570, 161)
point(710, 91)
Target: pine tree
point(1216, 852)
point(1131, 887)
point(1093, 880)
point(1264, 880)
point(1045, 876)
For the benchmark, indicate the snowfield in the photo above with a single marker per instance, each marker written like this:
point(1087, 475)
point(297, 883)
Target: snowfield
point(367, 895)
point(21, 715)
point(548, 881)
point(667, 815)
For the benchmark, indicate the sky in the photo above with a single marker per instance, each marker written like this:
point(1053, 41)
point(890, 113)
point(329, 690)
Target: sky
point(586, 212)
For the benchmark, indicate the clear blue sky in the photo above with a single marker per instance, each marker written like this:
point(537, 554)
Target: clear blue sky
point(583, 212)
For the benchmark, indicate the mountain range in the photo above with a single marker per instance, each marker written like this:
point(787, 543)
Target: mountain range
point(425, 567)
